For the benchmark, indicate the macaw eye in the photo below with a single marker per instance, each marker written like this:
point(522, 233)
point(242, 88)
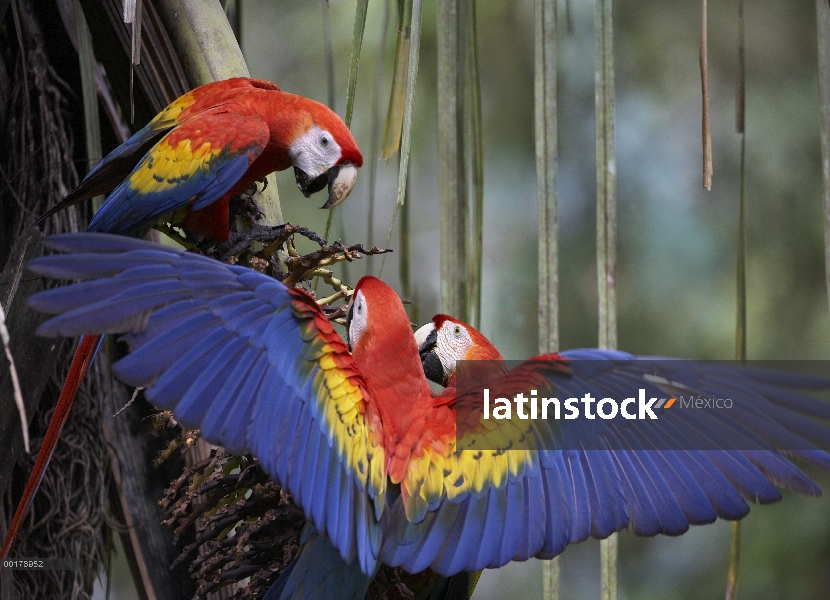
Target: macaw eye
point(457, 331)
point(324, 140)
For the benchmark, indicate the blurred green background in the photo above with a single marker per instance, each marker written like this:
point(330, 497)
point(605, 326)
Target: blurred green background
point(676, 242)
point(676, 281)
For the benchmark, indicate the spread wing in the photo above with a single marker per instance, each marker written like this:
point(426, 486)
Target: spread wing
point(194, 165)
point(252, 363)
point(477, 508)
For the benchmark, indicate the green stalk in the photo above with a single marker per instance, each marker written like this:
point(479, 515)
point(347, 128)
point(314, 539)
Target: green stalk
point(404, 260)
point(330, 80)
point(704, 83)
point(411, 75)
point(452, 174)
point(548, 220)
point(547, 161)
point(329, 53)
point(606, 225)
point(397, 96)
point(473, 136)
point(734, 559)
point(740, 326)
point(92, 126)
point(552, 579)
point(375, 134)
point(823, 23)
point(357, 43)
point(606, 174)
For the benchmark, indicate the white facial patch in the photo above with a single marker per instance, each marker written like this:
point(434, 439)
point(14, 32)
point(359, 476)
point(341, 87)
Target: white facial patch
point(315, 152)
point(453, 343)
point(359, 318)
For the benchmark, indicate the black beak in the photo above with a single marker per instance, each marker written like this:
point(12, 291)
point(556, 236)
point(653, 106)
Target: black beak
point(349, 315)
point(433, 369)
point(308, 185)
point(340, 179)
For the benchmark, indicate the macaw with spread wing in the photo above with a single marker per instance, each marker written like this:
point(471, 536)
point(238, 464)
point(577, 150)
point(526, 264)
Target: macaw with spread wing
point(370, 453)
point(211, 144)
point(183, 167)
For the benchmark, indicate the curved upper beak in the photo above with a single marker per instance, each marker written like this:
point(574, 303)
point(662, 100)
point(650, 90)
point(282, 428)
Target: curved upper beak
point(340, 179)
point(427, 339)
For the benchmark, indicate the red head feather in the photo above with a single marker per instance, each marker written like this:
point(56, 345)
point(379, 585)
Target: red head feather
point(482, 348)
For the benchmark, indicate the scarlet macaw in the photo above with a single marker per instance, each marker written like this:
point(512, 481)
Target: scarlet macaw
point(184, 166)
point(211, 144)
point(369, 452)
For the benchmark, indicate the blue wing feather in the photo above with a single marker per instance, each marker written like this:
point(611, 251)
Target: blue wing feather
point(671, 520)
point(282, 422)
point(696, 507)
point(465, 535)
point(235, 428)
point(640, 507)
point(742, 474)
point(578, 503)
point(513, 517)
point(607, 510)
point(434, 533)
point(145, 363)
point(557, 500)
point(307, 477)
point(227, 418)
point(347, 518)
point(219, 365)
point(320, 476)
point(296, 461)
point(224, 348)
point(168, 179)
point(453, 549)
point(176, 381)
point(493, 529)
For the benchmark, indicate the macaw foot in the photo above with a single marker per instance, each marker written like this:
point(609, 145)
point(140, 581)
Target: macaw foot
point(243, 204)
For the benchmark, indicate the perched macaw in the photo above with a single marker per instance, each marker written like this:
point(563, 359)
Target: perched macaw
point(183, 167)
point(369, 452)
point(211, 144)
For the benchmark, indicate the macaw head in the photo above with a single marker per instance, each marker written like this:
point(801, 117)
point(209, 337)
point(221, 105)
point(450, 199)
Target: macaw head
point(325, 153)
point(375, 315)
point(380, 337)
point(444, 342)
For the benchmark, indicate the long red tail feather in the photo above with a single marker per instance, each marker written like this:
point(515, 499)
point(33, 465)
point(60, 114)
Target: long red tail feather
point(77, 371)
